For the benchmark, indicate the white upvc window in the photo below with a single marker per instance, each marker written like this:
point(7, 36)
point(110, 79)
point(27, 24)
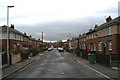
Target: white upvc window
point(103, 32)
point(99, 34)
point(109, 30)
point(100, 46)
point(84, 46)
point(89, 46)
point(94, 47)
point(15, 36)
point(109, 45)
point(94, 35)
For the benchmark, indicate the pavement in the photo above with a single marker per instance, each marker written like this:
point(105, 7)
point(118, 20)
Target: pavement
point(105, 71)
point(17, 66)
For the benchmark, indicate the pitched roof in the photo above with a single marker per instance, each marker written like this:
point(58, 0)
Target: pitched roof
point(4, 29)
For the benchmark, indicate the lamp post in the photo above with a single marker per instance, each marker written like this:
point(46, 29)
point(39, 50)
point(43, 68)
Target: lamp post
point(42, 41)
point(8, 57)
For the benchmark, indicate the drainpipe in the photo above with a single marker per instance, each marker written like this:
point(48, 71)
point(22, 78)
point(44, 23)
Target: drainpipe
point(118, 51)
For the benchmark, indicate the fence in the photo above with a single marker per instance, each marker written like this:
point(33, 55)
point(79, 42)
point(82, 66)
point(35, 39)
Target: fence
point(107, 60)
point(24, 56)
point(84, 54)
point(103, 59)
point(5, 59)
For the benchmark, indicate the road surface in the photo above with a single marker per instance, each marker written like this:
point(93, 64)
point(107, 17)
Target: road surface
point(55, 64)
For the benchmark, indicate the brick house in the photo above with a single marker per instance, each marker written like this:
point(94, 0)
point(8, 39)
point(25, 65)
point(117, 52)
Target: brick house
point(105, 38)
point(82, 41)
point(16, 37)
point(15, 41)
point(25, 40)
point(74, 42)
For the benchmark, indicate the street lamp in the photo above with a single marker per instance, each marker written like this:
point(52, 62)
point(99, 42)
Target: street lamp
point(42, 41)
point(8, 57)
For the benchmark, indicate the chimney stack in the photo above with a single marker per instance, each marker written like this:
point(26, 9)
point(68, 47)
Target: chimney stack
point(108, 19)
point(96, 26)
point(79, 34)
point(25, 34)
point(90, 30)
point(12, 26)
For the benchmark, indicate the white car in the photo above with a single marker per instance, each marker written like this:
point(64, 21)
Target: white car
point(49, 49)
point(60, 49)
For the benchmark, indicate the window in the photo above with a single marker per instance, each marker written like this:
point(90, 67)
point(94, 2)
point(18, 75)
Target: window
point(109, 30)
point(15, 36)
point(89, 46)
point(100, 46)
point(14, 45)
point(109, 45)
point(94, 47)
point(84, 38)
point(94, 35)
point(99, 34)
point(20, 38)
point(103, 32)
point(84, 46)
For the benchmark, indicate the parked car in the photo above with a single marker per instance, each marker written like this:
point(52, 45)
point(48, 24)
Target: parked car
point(49, 49)
point(60, 49)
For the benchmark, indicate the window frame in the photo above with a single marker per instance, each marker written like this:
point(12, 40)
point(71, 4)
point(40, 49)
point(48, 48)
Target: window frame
point(109, 30)
point(99, 46)
point(110, 45)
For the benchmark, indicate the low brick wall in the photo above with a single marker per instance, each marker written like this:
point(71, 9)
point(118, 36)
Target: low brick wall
point(16, 58)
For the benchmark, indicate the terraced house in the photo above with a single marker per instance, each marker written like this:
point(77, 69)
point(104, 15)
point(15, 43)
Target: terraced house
point(15, 37)
point(105, 38)
point(17, 42)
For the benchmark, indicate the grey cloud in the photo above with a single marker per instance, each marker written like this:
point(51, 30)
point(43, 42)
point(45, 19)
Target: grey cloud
point(60, 30)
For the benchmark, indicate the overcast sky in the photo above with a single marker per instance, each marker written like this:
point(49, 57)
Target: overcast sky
point(58, 19)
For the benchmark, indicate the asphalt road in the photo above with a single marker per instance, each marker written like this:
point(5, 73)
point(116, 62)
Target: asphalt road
point(55, 64)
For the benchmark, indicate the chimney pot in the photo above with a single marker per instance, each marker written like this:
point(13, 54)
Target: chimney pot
point(12, 26)
point(108, 19)
point(25, 34)
point(96, 26)
point(90, 30)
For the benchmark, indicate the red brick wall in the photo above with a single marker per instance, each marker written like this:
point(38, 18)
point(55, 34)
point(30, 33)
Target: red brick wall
point(4, 44)
point(114, 39)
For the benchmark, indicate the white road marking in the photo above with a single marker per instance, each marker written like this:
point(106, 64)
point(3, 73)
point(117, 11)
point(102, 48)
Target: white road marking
point(95, 70)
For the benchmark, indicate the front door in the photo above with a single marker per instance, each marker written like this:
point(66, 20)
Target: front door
point(104, 48)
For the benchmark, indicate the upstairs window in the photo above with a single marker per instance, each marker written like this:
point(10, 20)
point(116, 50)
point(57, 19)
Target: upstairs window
point(103, 32)
point(99, 34)
point(89, 46)
point(15, 36)
point(94, 35)
point(109, 30)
